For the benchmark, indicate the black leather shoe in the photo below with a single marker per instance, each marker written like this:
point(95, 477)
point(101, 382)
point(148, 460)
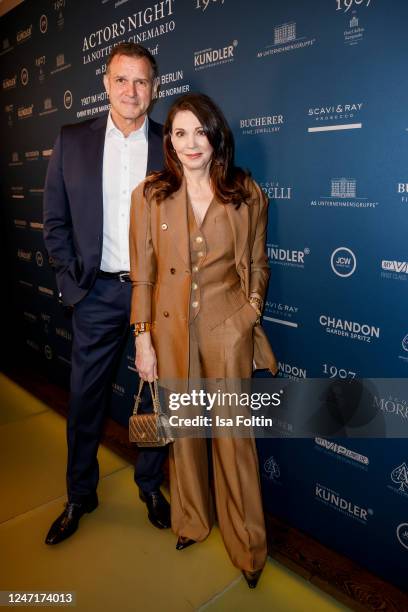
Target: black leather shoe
point(184, 543)
point(158, 508)
point(252, 577)
point(67, 523)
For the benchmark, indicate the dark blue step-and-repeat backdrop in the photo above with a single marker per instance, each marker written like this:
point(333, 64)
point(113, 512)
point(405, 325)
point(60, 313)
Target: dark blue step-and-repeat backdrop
point(316, 94)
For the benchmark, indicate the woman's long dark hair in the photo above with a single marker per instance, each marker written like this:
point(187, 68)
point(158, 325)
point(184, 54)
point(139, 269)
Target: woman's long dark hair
point(228, 182)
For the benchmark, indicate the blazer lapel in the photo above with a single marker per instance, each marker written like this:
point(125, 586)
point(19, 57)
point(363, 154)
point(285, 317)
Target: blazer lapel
point(96, 147)
point(155, 159)
point(175, 216)
point(239, 220)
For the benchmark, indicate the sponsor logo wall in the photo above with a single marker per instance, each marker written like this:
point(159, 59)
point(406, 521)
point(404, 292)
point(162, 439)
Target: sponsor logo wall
point(299, 84)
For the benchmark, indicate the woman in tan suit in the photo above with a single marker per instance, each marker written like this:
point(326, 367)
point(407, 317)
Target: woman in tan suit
point(199, 273)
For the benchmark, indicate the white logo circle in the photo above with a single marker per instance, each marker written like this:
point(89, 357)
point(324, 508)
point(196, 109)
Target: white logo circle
point(67, 99)
point(343, 262)
point(24, 76)
point(43, 24)
point(401, 535)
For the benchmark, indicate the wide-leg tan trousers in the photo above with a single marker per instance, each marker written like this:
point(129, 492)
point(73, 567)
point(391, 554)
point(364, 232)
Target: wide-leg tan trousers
point(220, 353)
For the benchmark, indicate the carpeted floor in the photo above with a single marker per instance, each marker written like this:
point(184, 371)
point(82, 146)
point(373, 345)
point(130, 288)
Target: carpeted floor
point(116, 560)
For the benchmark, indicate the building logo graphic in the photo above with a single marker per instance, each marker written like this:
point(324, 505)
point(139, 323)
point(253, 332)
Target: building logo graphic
point(343, 194)
point(60, 64)
point(48, 107)
point(285, 39)
point(5, 47)
point(343, 188)
point(354, 32)
point(15, 159)
point(284, 33)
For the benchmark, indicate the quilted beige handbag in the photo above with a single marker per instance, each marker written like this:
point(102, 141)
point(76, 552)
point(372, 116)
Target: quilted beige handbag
point(150, 429)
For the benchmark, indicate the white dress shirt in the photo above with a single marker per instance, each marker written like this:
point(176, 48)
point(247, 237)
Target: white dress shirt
point(124, 167)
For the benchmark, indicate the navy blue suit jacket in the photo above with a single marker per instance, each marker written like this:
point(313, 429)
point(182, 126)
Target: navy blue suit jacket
point(73, 203)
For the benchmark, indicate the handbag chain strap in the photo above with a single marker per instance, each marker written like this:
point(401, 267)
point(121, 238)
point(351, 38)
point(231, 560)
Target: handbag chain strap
point(154, 391)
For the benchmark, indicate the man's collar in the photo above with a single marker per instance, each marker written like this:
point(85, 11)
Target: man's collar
point(142, 132)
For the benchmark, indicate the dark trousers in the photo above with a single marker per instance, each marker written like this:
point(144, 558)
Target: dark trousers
point(100, 327)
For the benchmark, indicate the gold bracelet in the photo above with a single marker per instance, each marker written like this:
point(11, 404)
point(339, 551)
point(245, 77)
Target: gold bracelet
point(257, 301)
point(140, 328)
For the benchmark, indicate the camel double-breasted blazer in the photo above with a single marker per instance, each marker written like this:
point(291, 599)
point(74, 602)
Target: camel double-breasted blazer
point(161, 275)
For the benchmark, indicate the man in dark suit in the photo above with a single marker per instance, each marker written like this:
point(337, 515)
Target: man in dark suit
point(94, 168)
